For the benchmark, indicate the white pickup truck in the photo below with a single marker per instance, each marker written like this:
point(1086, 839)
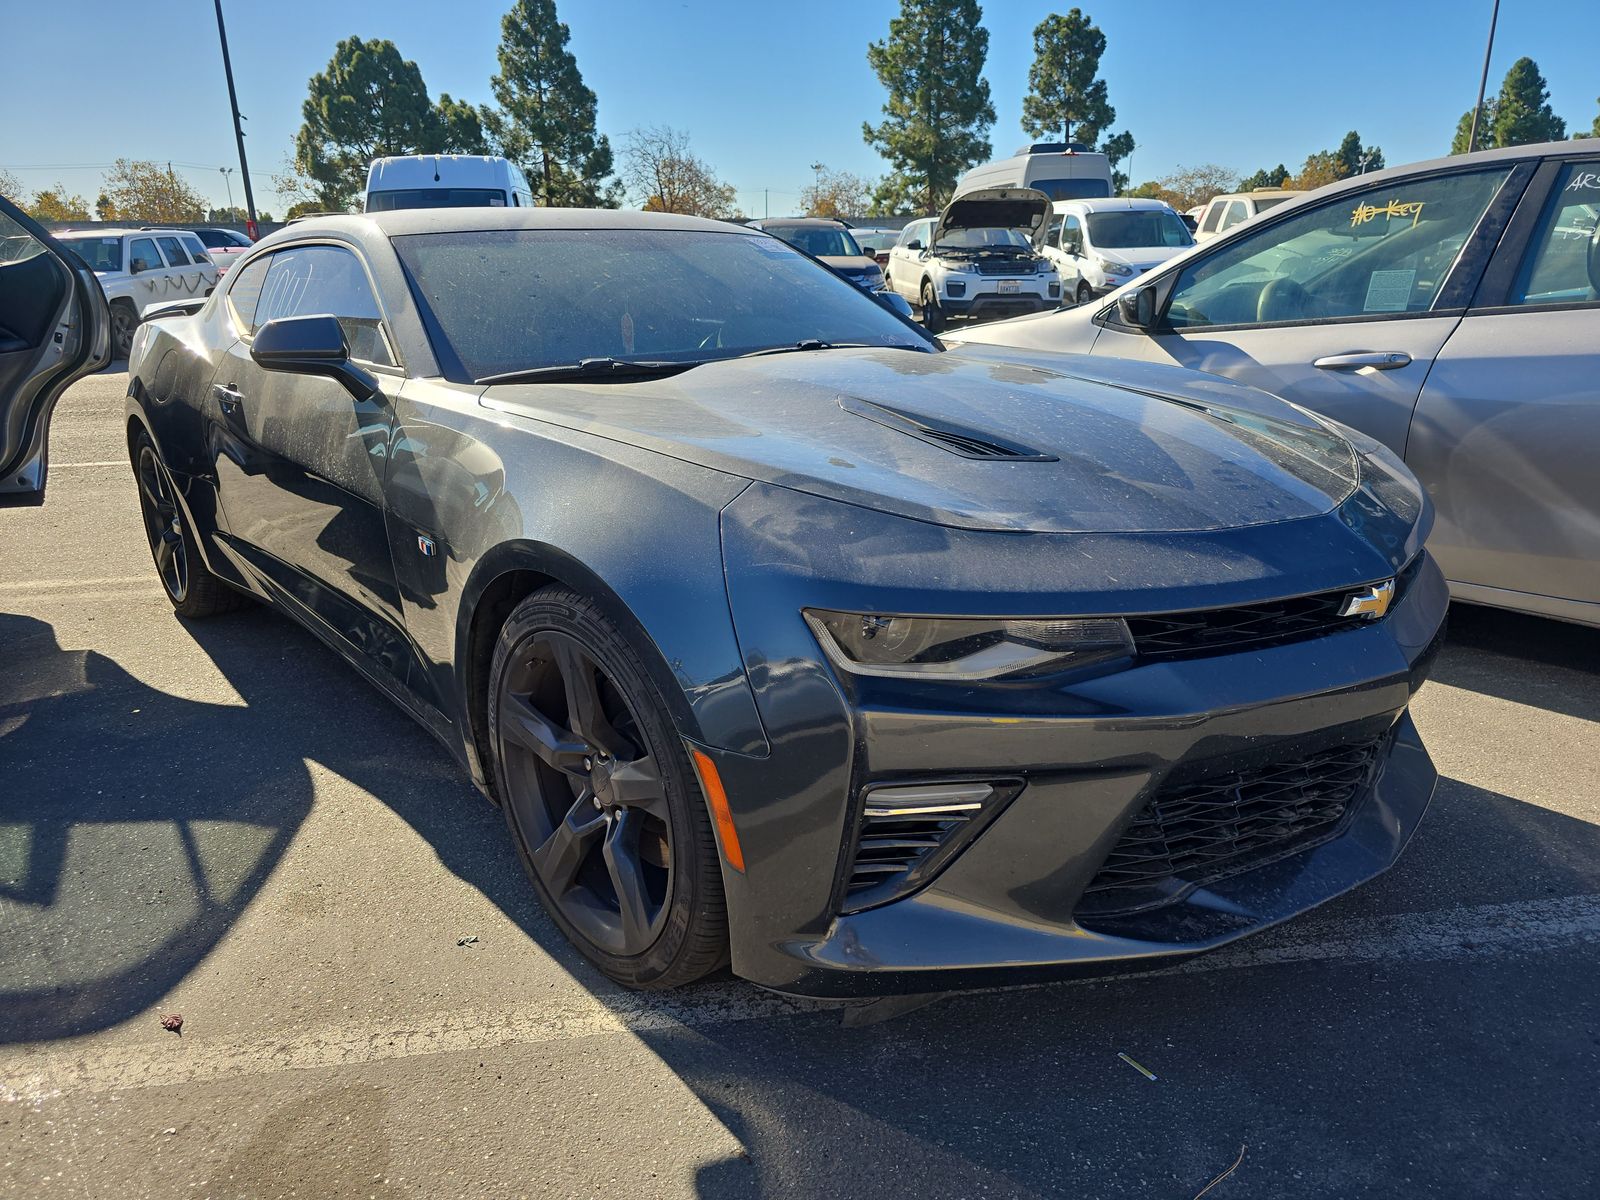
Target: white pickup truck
point(138, 268)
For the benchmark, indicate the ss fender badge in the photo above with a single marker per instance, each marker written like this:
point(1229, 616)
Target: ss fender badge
point(1370, 603)
point(425, 546)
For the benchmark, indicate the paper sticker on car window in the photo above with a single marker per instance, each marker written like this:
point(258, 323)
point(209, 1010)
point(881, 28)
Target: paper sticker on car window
point(108, 241)
point(496, 202)
point(1389, 291)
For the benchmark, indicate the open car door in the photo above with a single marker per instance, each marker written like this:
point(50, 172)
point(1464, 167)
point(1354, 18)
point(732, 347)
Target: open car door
point(54, 328)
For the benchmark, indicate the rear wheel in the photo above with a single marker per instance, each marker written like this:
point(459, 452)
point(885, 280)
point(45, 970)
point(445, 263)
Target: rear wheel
point(123, 322)
point(600, 797)
point(192, 588)
point(932, 314)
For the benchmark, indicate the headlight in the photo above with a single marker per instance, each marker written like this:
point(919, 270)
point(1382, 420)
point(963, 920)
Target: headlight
point(965, 647)
point(1112, 268)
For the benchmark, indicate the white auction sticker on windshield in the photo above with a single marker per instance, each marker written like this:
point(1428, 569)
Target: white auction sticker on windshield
point(1389, 291)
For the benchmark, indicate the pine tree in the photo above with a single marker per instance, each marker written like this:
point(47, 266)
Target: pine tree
point(1117, 148)
point(1064, 94)
point(1458, 144)
point(1522, 113)
point(369, 102)
point(938, 114)
point(1267, 177)
point(547, 115)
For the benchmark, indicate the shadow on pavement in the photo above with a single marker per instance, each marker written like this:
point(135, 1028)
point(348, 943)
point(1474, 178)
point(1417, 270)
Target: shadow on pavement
point(1552, 665)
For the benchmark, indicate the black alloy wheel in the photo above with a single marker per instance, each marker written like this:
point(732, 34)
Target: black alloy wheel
point(600, 797)
point(932, 314)
point(188, 582)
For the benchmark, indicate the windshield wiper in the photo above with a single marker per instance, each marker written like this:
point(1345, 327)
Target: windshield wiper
point(594, 368)
point(815, 344)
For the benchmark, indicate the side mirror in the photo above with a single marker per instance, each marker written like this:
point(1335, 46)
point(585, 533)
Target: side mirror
point(311, 346)
point(913, 244)
point(894, 302)
point(1138, 308)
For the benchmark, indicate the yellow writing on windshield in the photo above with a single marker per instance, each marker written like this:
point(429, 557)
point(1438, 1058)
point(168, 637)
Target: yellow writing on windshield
point(1395, 208)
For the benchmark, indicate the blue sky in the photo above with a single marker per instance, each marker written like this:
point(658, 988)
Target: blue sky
point(766, 91)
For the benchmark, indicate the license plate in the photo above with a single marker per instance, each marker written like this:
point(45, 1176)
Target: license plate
point(1010, 287)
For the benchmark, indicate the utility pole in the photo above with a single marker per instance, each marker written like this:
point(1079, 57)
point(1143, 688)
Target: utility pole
point(1483, 81)
point(238, 130)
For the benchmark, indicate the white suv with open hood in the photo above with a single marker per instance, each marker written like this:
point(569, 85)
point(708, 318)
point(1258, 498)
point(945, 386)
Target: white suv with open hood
point(977, 259)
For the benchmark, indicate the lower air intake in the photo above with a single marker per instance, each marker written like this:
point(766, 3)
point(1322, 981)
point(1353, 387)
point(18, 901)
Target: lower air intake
point(908, 832)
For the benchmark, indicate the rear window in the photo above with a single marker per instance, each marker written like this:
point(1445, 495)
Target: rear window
point(1072, 189)
point(436, 198)
point(101, 253)
point(819, 241)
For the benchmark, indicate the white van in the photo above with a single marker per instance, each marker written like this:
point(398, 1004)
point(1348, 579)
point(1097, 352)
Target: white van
point(445, 181)
point(1061, 170)
point(1099, 245)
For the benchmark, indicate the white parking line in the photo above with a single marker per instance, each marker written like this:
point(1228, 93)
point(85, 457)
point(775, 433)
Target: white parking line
point(1486, 930)
point(74, 585)
point(110, 462)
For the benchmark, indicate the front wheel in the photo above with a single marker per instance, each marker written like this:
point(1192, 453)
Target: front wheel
point(600, 797)
point(1085, 292)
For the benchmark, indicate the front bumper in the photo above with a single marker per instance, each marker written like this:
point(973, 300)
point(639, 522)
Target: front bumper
point(992, 305)
point(1089, 755)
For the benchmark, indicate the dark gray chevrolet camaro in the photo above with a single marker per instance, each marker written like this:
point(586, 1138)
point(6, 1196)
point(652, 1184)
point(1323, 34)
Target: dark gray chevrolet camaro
point(783, 635)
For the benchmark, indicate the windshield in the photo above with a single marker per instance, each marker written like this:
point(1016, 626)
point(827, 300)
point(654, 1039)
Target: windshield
point(436, 198)
point(1137, 228)
point(101, 253)
point(1072, 189)
point(972, 239)
point(520, 299)
point(872, 243)
point(818, 240)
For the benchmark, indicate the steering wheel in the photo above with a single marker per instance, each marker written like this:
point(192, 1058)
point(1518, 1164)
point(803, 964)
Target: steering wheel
point(1282, 299)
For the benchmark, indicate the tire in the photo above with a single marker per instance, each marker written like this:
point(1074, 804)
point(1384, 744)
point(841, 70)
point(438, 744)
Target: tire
point(192, 588)
point(932, 314)
point(1085, 292)
point(600, 796)
point(124, 320)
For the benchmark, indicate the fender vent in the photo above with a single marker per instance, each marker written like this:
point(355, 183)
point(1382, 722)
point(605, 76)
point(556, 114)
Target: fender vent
point(968, 443)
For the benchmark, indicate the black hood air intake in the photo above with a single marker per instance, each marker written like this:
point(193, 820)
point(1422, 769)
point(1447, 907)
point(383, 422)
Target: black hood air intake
point(957, 439)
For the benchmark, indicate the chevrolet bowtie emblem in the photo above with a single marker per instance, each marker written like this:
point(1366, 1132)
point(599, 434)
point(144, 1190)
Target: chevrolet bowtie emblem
point(1369, 603)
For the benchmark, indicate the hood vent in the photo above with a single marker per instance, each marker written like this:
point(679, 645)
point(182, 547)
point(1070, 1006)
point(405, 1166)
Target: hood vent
point(968, 443)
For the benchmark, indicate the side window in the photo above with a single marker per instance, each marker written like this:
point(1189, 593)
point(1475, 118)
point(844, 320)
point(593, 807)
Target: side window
point(244, 291)
point(214, 238)
point(1235, 213)
point(1209, 219)
point(1052, 235)
point(306, 280)
point(1072, 236)
point(143, 255)
point(1378, 251)
point(173, 249)
point(195, 247)
point(1563, 263)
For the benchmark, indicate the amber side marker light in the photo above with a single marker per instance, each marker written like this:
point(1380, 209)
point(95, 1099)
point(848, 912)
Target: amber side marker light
point(711, 784)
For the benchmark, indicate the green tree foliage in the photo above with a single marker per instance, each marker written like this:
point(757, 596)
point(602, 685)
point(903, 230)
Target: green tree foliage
point(1065, 95)
point(460, 127)
point(138, 190)
point(1330, 166)
point(546, 119)
point(1522, 112)
point(55, 204)
point(1267, 177)
point(104, 209)
point(1594, 130)
point(369, 103)
point(1458, 144)
point(1117, 149)
point(937, 119)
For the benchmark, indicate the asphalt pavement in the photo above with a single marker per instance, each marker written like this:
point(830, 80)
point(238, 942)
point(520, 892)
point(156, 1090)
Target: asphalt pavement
point(220, 820)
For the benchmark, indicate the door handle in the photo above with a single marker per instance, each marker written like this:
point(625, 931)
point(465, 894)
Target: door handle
point(229, 397)
point(1387, 360)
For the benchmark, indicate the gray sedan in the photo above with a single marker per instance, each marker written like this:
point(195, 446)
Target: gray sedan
point(1450, 309)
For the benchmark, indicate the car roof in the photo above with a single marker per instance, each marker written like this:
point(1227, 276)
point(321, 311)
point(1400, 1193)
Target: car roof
point(798, 223)
point(401, 222)
point(117, 231)
point(1113, 203)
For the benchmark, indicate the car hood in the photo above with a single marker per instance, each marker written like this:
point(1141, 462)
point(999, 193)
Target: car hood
point(994, 208)
point(850, 264)
point(1141, 256)
point(976, 440)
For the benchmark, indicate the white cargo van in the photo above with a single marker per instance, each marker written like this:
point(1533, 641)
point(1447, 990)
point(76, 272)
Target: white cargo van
point(445, 181)
point(1061, 170)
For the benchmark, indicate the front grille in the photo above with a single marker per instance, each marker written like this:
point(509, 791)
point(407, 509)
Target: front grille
point(1203, 830)
point(1252, 626)
point(1005, 266)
